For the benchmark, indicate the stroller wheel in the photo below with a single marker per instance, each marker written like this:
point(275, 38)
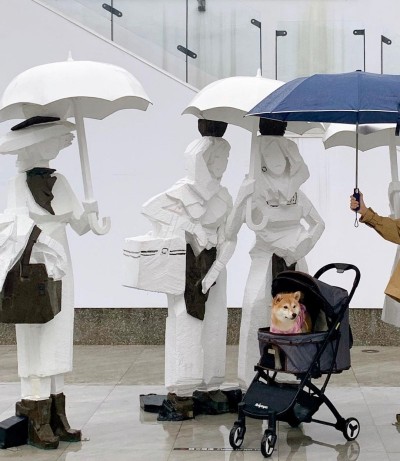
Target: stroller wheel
point(351, 428)
point(268, 443)
point(236, 436)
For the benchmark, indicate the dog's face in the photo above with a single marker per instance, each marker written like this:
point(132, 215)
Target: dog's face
point(286, 307)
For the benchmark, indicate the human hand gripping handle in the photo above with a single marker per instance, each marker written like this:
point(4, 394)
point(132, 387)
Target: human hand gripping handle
point(357, 202)
point(356, 196)
point(356, 208)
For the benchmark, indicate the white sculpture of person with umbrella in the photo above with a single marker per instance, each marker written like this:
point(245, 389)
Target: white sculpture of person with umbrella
point(282, 243)
point(196, 208)
point(45, 350)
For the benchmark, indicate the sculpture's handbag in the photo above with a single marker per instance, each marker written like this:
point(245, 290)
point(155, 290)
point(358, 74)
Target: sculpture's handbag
point(29, 295)
point(155, 264)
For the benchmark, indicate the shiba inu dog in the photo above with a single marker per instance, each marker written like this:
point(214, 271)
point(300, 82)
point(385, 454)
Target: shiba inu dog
point(288, 316)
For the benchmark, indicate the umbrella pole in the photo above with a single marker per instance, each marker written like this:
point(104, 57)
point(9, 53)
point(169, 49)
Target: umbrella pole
point(393, 158)
point(253, 171)
point(89, 204)
point(356, 190)
point(357, 156)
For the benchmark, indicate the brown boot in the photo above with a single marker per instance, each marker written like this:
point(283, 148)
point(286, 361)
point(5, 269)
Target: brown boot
point(182, 406)
point(40, 433)
point(59, 422)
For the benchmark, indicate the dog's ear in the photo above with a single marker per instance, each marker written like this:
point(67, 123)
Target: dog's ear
point(278, 298)
point(297, 295)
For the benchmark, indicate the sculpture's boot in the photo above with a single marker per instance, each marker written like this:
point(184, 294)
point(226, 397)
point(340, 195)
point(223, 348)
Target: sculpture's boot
point(176, 408)
point(59, 422)
point(210, 402)
point(38, 413)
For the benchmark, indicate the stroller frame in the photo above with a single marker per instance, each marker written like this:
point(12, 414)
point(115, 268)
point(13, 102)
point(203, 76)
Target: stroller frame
point(292, 402)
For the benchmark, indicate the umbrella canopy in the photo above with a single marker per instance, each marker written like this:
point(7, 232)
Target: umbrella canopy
point(230, 99)
point(354, 97)
point(74, 89)
point(369, 136)
point(47, 90)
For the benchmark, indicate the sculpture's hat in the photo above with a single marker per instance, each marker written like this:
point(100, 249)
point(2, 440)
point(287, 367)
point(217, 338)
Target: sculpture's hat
point(33, 131)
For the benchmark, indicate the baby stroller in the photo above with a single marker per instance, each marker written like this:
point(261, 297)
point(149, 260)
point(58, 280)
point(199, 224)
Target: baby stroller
point(308, 356)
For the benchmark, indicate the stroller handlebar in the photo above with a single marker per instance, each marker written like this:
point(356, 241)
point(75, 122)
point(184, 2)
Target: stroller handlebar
point(340, 268)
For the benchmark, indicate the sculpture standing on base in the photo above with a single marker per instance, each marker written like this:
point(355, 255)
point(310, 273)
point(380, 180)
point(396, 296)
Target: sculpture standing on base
point(193, 212)
point(38, 197)
point(284, 240)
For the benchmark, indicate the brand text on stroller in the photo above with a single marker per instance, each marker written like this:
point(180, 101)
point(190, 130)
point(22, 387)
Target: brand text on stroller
point(260, 405)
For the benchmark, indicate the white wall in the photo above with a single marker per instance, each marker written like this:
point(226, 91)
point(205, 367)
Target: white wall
point(135, 155)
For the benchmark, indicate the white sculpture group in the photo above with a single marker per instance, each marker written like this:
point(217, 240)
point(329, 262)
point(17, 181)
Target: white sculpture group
point(194, 235)
point(198, 211)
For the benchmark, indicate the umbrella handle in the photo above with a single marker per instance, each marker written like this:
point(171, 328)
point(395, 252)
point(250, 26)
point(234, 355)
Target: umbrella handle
point(249, 219)
point(92, 210)
point(97, 228)
point(254, 168)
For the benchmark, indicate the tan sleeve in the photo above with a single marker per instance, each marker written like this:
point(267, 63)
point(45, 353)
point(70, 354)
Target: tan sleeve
point(388, 228)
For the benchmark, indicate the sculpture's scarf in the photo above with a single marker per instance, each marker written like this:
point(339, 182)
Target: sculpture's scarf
point(41, 183)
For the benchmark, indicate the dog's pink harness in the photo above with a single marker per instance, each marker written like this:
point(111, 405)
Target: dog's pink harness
point(300, 319)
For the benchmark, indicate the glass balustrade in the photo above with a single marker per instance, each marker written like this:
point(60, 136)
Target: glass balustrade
point(153, 30)
point(306, 48)
point(200, 41)
point(89, 13)
point(224, 39)
point(390, 52)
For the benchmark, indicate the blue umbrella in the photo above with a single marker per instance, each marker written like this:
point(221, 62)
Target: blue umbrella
point(354, 97)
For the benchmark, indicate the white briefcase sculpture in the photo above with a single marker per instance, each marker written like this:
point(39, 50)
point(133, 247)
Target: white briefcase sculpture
point(155, 264)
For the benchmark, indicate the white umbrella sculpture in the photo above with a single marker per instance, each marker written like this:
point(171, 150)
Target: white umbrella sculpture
point(369, 137)
point(228, 100)
point(76, 89)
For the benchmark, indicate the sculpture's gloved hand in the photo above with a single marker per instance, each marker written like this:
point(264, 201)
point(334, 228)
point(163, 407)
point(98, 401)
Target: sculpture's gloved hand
point(302, 249)
point(246, 190)
point(290, 259)
point(211, 276)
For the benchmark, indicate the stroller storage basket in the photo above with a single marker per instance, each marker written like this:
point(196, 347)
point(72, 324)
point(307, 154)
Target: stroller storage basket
point(298, 351)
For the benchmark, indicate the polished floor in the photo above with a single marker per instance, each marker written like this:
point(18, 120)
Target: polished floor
point(103, 400)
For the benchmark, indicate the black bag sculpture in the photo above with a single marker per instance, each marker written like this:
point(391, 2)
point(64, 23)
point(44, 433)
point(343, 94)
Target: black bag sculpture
point(29, 295)
point(196, 269)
